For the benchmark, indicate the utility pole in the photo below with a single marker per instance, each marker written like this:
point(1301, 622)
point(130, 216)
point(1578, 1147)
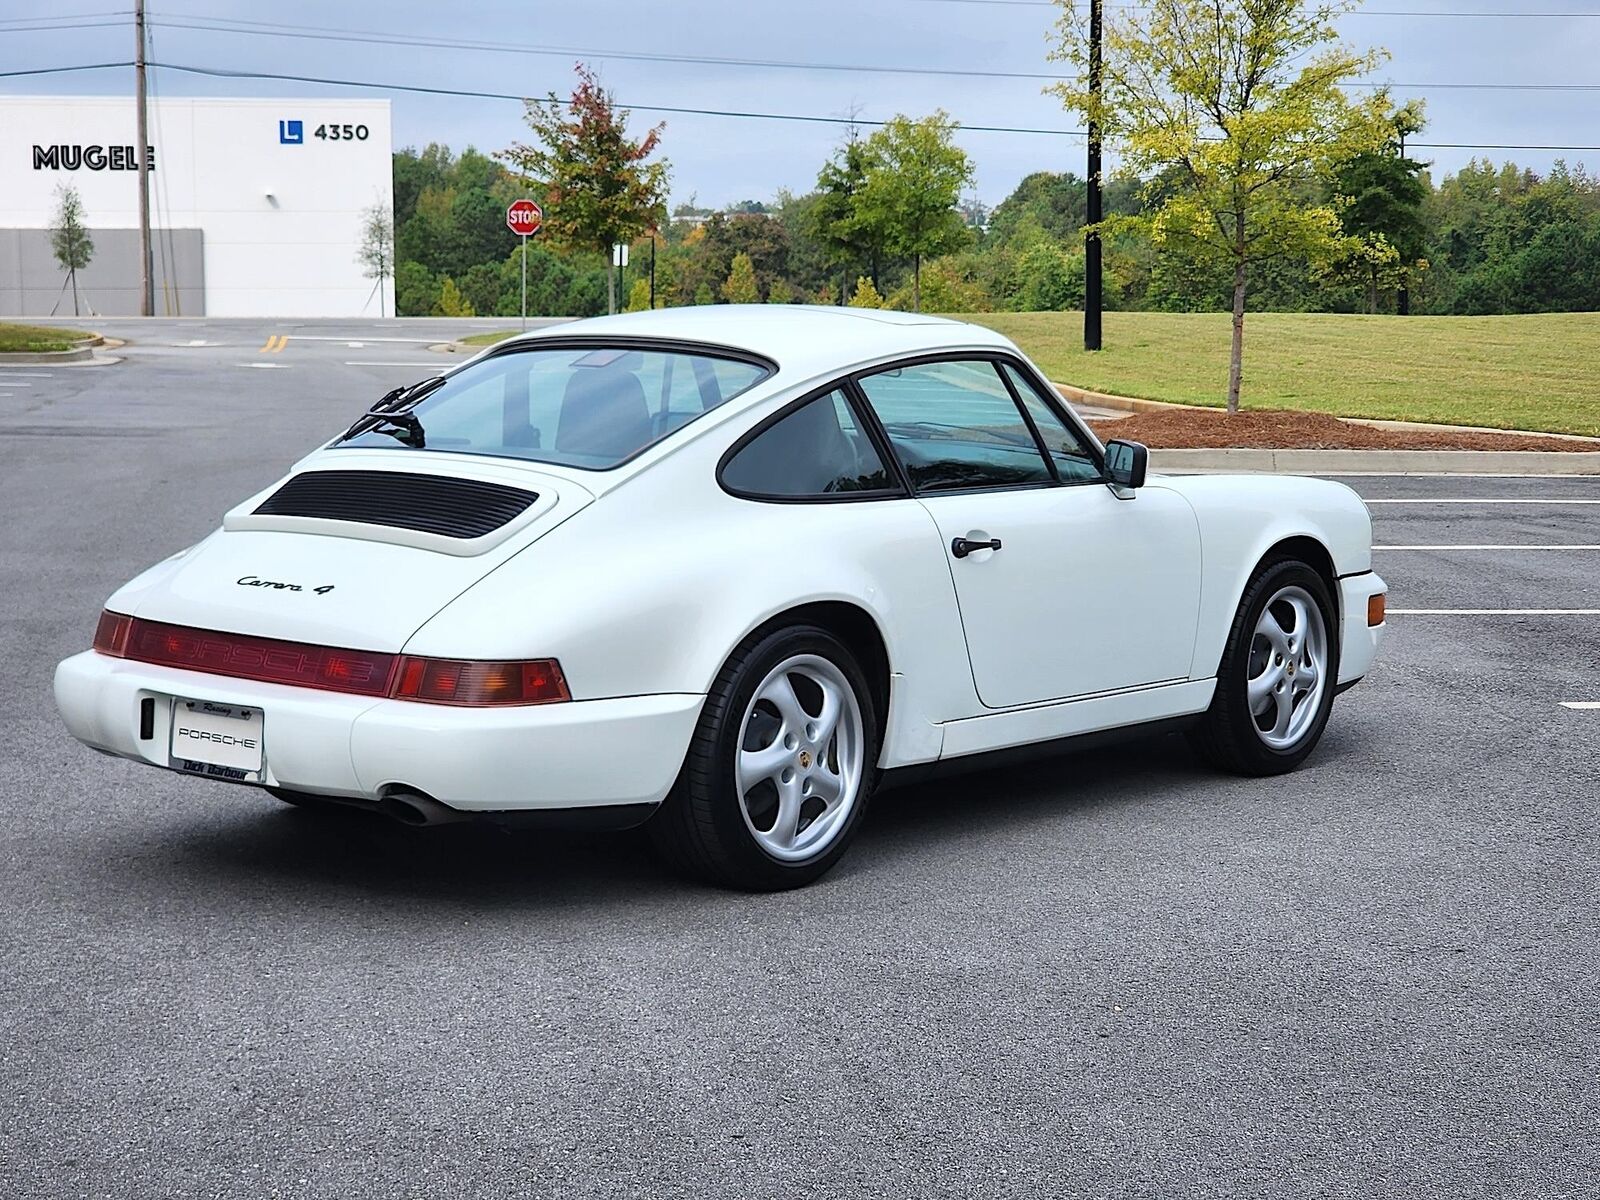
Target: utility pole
point(1093, 294)
point(147, 290)
point(1402, 299)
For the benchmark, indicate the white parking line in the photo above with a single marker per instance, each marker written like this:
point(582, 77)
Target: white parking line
point(1508, 547)
point(11, 384)
point(1557, 501)
point(432, 366)
point(265, 366)
point(1494, 612)
point(26, 375)
point(1582, 705)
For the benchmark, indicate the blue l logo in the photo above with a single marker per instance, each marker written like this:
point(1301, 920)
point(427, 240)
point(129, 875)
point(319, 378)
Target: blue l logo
point(291, 133)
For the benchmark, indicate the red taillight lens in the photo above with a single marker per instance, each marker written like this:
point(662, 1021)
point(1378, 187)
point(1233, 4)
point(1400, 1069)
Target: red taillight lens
point(360, 672)
point(111, 634)
point(266, 660)
point(480, 684)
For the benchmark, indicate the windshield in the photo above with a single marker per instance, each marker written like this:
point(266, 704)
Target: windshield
point(579, 406)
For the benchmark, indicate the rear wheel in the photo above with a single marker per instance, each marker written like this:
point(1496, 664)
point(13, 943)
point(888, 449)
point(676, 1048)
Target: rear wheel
point(781, 766)
point(1276, 682)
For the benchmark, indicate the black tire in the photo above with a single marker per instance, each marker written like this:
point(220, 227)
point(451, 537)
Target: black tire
point(700, 829)
point(1227, 735)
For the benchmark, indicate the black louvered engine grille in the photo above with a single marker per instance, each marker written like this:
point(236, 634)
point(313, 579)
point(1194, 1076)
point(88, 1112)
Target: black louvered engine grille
point(458, 508)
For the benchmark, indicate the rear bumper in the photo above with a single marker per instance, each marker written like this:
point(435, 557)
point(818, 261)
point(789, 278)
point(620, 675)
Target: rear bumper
point(581, 754)
point(1358, 641)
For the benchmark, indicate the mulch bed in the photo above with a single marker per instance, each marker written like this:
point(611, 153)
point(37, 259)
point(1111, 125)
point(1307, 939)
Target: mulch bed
point(1286, 430)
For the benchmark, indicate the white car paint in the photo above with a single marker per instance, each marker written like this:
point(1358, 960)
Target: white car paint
point(1104, 609)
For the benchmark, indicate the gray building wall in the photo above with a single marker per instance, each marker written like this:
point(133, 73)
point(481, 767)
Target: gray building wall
point(31, 280)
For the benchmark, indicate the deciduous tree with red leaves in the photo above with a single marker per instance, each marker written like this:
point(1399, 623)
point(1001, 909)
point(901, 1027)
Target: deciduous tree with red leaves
point(598, 188)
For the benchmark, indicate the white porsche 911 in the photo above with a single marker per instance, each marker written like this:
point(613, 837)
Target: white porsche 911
point(725, 570)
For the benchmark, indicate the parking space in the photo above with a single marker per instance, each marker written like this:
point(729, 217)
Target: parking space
point(1113, 973)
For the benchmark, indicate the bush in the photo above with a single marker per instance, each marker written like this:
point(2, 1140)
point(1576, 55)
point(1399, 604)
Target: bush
point(451, 303)
point(866, 296)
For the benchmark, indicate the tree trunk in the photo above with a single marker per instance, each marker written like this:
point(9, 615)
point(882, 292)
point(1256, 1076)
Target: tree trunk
point(1372, 294)
point(72, 274)
point(1236, 359)
point(916, 283)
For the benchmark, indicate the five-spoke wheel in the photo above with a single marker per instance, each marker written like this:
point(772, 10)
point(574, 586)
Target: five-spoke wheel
point(781, 765)
point(1278, 673)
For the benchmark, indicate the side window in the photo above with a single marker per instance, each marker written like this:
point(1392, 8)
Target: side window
point(817, 450)
point(954, 425)
point(1073, 459)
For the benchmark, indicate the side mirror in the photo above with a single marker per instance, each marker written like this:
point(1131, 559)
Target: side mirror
point(1126, 463)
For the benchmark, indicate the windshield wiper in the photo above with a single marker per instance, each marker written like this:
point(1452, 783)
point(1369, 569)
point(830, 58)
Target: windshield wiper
point(395, 410)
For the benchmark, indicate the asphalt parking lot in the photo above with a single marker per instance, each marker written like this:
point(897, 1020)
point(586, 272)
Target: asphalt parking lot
point(1115, 974)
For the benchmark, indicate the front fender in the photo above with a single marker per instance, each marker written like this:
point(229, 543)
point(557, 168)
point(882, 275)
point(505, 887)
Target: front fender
point(1242, 517)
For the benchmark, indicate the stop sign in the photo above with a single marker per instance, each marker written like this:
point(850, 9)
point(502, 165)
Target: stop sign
point(524, 217)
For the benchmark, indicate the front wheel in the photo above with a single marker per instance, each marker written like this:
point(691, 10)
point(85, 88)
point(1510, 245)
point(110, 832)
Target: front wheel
point(781, 766)
point(1278, 675)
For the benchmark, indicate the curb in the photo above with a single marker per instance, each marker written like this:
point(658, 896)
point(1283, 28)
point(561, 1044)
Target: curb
point(1129, 404)
point(1378, 462)
point(77, 354)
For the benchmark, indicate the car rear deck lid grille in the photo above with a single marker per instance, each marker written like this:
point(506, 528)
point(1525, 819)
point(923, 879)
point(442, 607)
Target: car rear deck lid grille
point(439, 504)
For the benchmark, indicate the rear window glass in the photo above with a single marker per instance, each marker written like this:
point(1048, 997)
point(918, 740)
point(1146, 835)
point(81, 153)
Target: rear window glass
point(589, 407)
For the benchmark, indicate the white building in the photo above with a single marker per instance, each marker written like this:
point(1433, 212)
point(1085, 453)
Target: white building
point(257, 206)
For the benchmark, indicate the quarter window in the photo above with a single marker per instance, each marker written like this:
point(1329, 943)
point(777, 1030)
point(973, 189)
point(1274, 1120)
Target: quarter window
point(817, 450)
point(1071, 454)
point(954, 425)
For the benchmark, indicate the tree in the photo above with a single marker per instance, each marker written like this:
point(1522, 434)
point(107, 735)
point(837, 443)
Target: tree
point(834, 219)
point(1240, 103)
point(865, 295)
point(913, 183)
point(376, 254)
point(69, 240)
point(598, 188)
point(740, 286)
point(1382, 194)
point(451, 303)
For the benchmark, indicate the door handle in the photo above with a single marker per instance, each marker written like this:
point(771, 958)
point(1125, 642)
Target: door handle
point(961, 547)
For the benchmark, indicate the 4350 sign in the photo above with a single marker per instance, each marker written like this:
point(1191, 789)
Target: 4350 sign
point(340, 133)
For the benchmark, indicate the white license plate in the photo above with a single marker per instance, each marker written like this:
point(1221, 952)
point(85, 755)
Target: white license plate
point(220, 740)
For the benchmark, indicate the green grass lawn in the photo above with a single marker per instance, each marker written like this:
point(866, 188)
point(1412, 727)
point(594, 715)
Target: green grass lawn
point(488, 339)
point(37, 339)
point(1536, 372)
point(1540, 372)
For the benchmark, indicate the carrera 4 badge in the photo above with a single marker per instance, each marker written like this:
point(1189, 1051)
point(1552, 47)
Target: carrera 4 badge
point(253, 581)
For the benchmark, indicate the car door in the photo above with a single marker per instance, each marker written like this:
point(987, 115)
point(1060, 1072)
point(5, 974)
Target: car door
point(1066, 589)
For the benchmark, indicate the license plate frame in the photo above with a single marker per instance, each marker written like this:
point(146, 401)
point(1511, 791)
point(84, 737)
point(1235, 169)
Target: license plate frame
point(218, 741)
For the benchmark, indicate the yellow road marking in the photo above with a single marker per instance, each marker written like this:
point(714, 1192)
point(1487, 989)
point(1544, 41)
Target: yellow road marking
point(275, 344)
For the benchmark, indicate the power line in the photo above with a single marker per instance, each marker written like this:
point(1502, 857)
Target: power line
point(373, 37)
point(717, 112)
point(222, 73)
point(1358, 12)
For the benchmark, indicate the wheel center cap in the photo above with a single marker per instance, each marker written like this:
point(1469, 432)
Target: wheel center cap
point(805, 760)
point(1291, 668)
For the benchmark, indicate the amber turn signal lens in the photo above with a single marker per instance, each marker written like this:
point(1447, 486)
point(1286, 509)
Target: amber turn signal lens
point(450, 681)
point(1375, 609)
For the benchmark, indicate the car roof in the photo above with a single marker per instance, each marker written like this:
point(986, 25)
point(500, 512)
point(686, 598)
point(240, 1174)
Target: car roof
point(804, 340)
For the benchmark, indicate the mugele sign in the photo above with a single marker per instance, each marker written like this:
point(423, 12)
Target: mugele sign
point(91, 158)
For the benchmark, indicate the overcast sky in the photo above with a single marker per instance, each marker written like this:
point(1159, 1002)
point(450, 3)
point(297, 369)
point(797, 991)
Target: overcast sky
point(723, 159)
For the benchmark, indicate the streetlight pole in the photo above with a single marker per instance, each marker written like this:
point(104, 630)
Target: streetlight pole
point(147, 291)
point(1093, 292)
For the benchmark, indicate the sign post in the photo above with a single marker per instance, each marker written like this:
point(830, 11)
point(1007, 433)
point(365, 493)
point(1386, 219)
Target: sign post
point(523, 218)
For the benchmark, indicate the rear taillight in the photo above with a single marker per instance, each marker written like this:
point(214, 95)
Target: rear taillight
point(111, 634)
point(476, 683)
point(326, 668)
